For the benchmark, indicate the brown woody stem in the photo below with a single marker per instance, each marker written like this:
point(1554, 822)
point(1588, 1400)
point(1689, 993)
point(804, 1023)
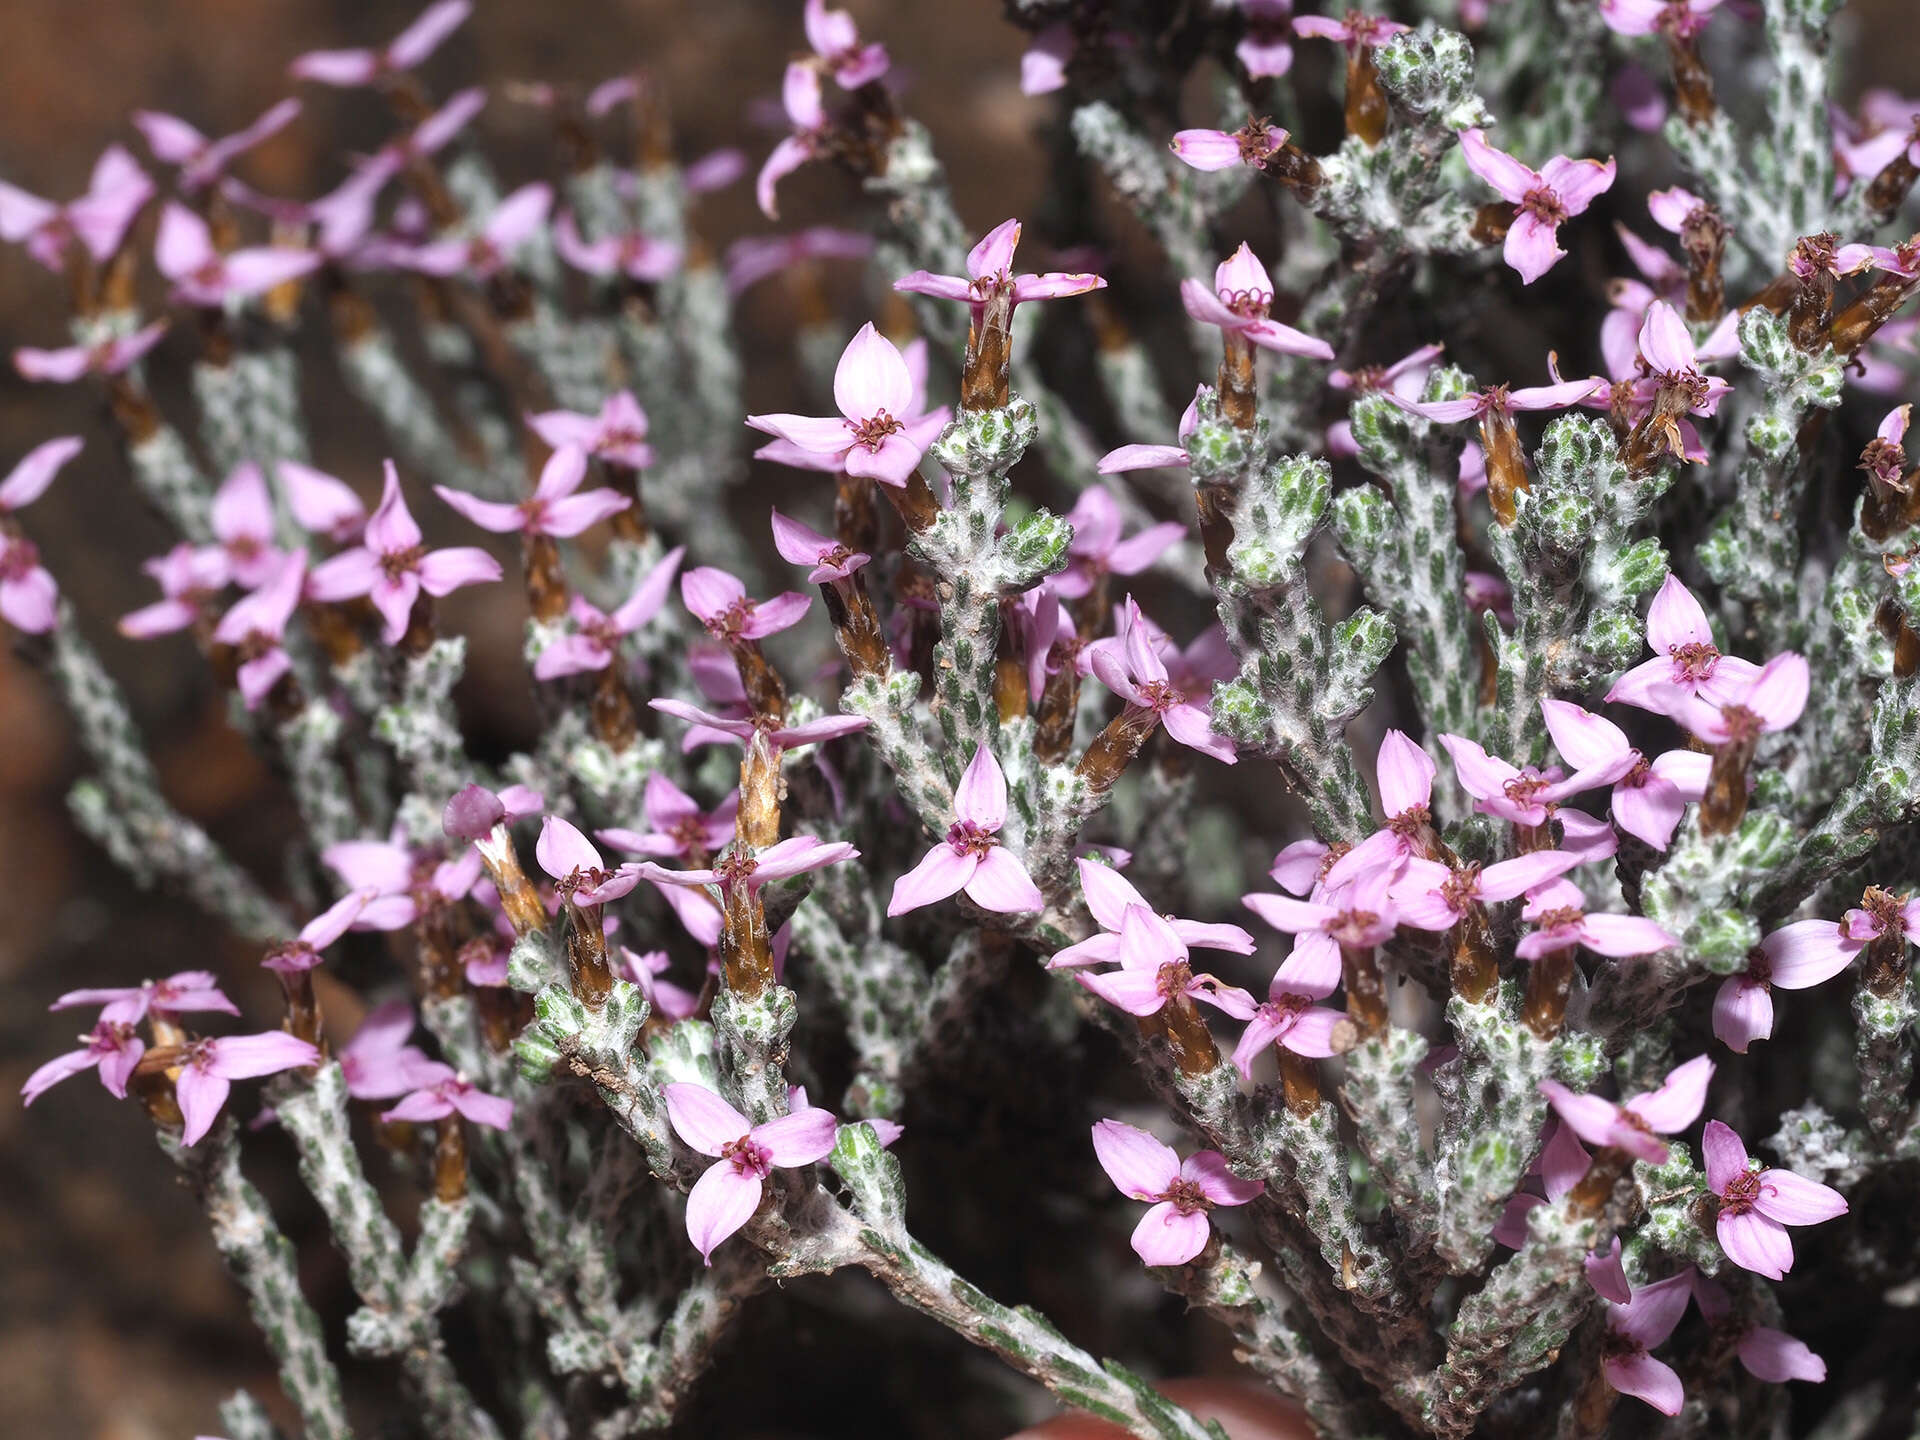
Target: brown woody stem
point(1366, 989)
point(1549, 983)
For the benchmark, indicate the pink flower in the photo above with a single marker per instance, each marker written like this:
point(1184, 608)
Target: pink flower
point(1300, 868)
point(190, 578)
point(1263, 50)
point(208, 1069)
point(189, 990)
point(807, 117)
point(111, 1047)
point(474, 812)
point(454, 1094)
point(202, 161)
point(836, 43)
point(406, 50)
point(112, 356)
point(257, 624)
point(1773, 701)
point(676, 825)
point(553, 508)
point(1046, 634)
point(1109, 895)
point(665, 997)
point(1794, 957)
point(406, 883)
point(1562, 1165)
point(1650, 795)
point(378, 1064)
point(719, 602)
point(1558, 912)
point(1431, 896)
point(1633, 1125)
point(303, 952)
point(1499, 401)
point(1546, 198)
point(98, 220)
point(321, 504)
point(1154, 969)
point(1153, 457)
point(990, 278)
point(29, 598)
point(578, 874)
point(184, 252)
point(1644, 1321)
point(1693, 668)
point(803, 545)
point(971, 858)
point(754, 258)
point(738, 867)
point(877, 437)
point(1405, 774)
point(1131, 666)
point(1527, 796)
point(1359, 915)
point(618, 434)
point(595, 641)
point(1288, 1017)
point(488, 250)
point(1757, 1205)
point(638, 256)
point(1097, 549)
point(1238, 302)
point(243, 524)
point(1354, 31)
point(1252, 145)
point(724, 1199)
point(1682, 19)
point(1768, 1354)
point(779, 734)
point(392, 566)
point(1670, 357)
point(1181, 1192)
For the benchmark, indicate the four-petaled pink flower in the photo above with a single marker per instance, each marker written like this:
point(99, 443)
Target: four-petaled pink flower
point(1757, 1205)
point(1130, 665)
point(1546, 198)
point(1768, 1354)
point(1097, 549)
point(971, 857)
point(877, 436)
point(303, 951)
point(1431, 896)
point(719, 601)
point(1288, 1017)
point(755, 257)
point(97, 221)
point(392, 566)
point(111, 356)
point(1353, 30)
point(490, 248)
point(1558, 912)
point(29, 598)
point(636, 255)
point(450, 1096)
point(741, 867)
point(190, 577)
point(676, 825)
point(1264, 49)
point(1525, 796)
point(664, 996)
point(1794, 957)
point(553, 509)
point(194, 990)
point(577, 870)
point(242, 518)
point(1252, 145)
point(201, 160)
point(595, 641)
point(807, 118)
point(740, 729)
point(209, 1067)
point(407, 49)
point(803, 545)
point(1671, 358)
point(1686, 664)
point(618, 434)
point(1238, 302)
point(1154, 969)
point(184, 252)
point(379, 1064)
point(1109, 895)
point(1181, 1192)
point(111, 1047)
point(1650, 795)
point(990, 279)
point(405, 882)
point(1773, 701)
point(1358, 915)
point(1499, 402)
point(836, 42)
point(256, 626)
point(1682, 19)
point(1634, 1125)
point(724, 1199)
point(1646, 1319)
point(1563, 1163)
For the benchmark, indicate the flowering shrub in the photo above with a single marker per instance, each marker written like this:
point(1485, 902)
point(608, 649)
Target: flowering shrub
point(1596, 693)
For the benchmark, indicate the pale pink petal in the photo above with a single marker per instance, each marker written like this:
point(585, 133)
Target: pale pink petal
point(444, 571)
point(1296, 869)
point(1405, 773)
point(1142, 457)
point(29, 479)
point(1506, 879)
point(1192, 726)
point(1500, 170)
point(1753, 1242)
point(871, 377)
point(494, 515)
point(1208, 1170)
point(1199, 936)
point(1578, 182)
point(1479, 773)
point(1583, 739)
point(320, 503)
point(1675, 619)
point(1677, 1103)
point(1206, 149)
point(1640, 1375)
point(1284, 913)
point(1593, 1119)
point(943, 872)
point(981, 796)
point(650, 594)
point(798, 1139)
point(1311, 1033)
point(1531, 247)
point(571, 655)
point(1725, 1155)
point(721, 1201)
point(1742, 1013)
point(1779, 693)
point(1135, 991)
point(1615, 935)
point(344, 576)
point(1795, 1200)
point(782, 612)
point(1808, 952)
point(1776, 1357)
point(1166, 1237)
point(200, 1095)
point(241, 1057)
point(1000, 883)
point(1285, 340)
point(1606, 1275)
point(789, 155)
point(1140, 1166)
point(570, 516)
point(702, 1119)
point(61, 1067)
point(1650, 810)
point(1108, 893)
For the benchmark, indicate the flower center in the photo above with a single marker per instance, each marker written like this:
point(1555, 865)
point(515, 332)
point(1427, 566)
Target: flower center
point(1567, 917)
point(1461, 888)
point(1740, 1193)
point(728, 624)
point(1174, 978)
point(1885, 461)
point(1637, 776)
point(735, 868)
point(748, 1157)
point(1352, 927)
point(1522, 788)
point(1545, 205)
point(1162, 696)
point(1185, 1196)
point(1694, 661)
point(1885, 907)
point(873, 431)
point(1248, 304)
point(967, 838)
point(1255, 140)
point(1410, 821)
point(1814, 255)
point(1743, 726)
point(395, 563)
point(18, 558)
point(1759, 968)
point(582, 878)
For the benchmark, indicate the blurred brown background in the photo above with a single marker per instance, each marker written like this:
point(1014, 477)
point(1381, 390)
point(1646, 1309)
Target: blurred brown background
point(119, 1323)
